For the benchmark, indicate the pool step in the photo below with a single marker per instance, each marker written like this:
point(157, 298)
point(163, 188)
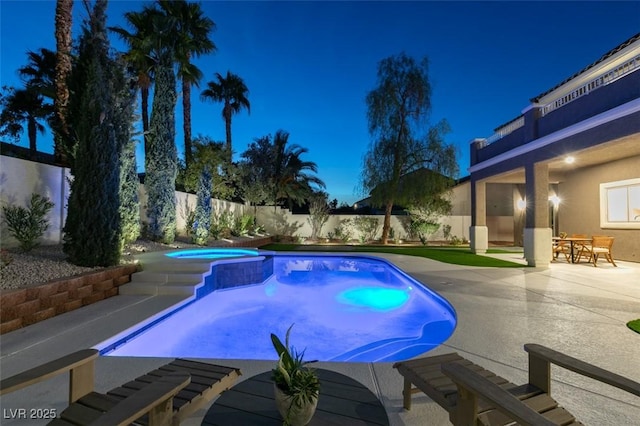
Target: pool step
point(173, 267)
point(164, 283)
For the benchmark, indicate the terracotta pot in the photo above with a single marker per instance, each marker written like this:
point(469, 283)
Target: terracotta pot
point(297, 416)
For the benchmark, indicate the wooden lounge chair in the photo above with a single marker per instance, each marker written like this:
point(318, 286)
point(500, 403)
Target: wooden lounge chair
point(165, 396)
point(475, 396)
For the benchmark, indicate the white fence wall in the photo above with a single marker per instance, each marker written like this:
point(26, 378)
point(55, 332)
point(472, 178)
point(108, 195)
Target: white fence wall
point(186, 203)
point(20, 178)
point(281, 221)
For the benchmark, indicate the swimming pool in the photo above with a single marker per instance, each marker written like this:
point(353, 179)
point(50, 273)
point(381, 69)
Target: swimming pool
point(345, 308)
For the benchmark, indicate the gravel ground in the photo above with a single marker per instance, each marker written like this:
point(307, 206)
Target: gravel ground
point(46, 263)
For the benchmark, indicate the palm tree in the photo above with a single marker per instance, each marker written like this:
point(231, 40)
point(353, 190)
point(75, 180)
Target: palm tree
point(40, 72)
point(19, 106)
point(63, 70)
point(194, 29)
point(291, 180)
point(232, 92)
point(139, 56)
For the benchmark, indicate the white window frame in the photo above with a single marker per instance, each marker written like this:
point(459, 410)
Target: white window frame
point(621, 200)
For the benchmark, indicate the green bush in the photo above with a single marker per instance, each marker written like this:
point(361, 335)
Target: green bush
point(424, 230)
point(242, 225)
point(221, 225)
point(367, 227)
point(343, 230)
point(27, 225)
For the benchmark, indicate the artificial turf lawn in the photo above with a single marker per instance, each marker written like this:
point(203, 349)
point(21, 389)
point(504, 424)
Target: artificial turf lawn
point(634, 325)
point(453, 255)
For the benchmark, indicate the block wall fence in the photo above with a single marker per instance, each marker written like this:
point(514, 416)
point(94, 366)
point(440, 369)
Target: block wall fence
point(20, 178)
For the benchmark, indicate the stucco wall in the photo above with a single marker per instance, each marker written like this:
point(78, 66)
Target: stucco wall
point(298, 224)
point(579, 210)
point(20, 178)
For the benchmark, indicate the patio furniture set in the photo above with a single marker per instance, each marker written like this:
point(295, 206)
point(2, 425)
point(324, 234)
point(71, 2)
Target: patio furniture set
point(471, 394)
point(578, 246)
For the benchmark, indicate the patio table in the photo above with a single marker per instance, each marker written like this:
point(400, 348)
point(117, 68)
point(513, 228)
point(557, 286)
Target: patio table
point(343, 401)
point(572, 242)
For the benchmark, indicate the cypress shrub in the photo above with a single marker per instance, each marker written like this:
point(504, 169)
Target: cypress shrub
point(124, 122)
point(162, 159)
point(92, 230)
point(202, 219)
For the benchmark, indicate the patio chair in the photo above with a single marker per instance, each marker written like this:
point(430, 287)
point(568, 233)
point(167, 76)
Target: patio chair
point(475, 396)
point(165, 396)
point(600, 244)
point(561, 247)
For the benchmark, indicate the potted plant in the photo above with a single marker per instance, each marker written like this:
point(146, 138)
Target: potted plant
point(296, 386)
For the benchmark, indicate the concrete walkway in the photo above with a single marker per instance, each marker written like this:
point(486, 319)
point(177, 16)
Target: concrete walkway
point(577, 309)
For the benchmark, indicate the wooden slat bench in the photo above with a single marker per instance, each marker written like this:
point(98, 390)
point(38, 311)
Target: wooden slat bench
point(164, 396)
point(475, 396)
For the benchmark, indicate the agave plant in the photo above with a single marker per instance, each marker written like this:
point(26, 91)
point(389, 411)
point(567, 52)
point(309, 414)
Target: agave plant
point(291, 375)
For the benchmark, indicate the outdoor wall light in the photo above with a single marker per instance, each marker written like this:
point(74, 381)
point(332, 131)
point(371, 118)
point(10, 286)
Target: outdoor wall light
point(569, 159)
point(555, 200)
point(522, 204)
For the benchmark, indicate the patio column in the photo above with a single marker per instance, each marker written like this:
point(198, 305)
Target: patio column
point(478, 232)
point(537, 234)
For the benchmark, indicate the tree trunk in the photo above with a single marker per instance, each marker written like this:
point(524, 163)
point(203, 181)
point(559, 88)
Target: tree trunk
point(186, 124)
point(228, 130)
point(144, 95)
point(387, 222)
point(63, 21)
point(32, 132)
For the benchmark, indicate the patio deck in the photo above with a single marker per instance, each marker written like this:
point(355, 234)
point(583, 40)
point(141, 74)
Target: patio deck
point(569, 307)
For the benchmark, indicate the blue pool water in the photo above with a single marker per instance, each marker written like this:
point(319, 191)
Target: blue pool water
point(344, 309)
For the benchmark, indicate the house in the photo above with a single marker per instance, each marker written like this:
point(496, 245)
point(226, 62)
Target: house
point(571, 159)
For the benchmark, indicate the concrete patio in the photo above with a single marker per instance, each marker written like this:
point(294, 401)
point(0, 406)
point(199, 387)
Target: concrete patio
point(573, 308)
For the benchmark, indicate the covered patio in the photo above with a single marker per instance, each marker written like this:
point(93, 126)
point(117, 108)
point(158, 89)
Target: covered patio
point(572, 157)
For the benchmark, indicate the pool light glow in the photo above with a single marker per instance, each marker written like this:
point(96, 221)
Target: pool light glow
point(378, 299)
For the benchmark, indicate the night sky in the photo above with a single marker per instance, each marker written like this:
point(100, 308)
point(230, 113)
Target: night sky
point(309, 65)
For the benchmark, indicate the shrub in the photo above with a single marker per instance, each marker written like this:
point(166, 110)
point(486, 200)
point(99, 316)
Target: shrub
point(5, 258)
point(367, 227)
point(446, 231)
point(201, 224)
point(242, 225)
point(27, 225)
point(343, 230)
point(221, 225)
point(188, 214)
point(318, 214)
point(424, 229)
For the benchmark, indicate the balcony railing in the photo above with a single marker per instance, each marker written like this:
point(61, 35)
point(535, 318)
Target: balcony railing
point(505, 130)
point(602, 80)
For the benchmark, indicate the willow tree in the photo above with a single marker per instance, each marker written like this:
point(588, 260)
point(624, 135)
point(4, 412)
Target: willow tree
point(403, 140)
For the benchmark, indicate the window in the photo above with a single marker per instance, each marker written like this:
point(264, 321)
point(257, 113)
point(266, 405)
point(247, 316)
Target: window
point(620, 204)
